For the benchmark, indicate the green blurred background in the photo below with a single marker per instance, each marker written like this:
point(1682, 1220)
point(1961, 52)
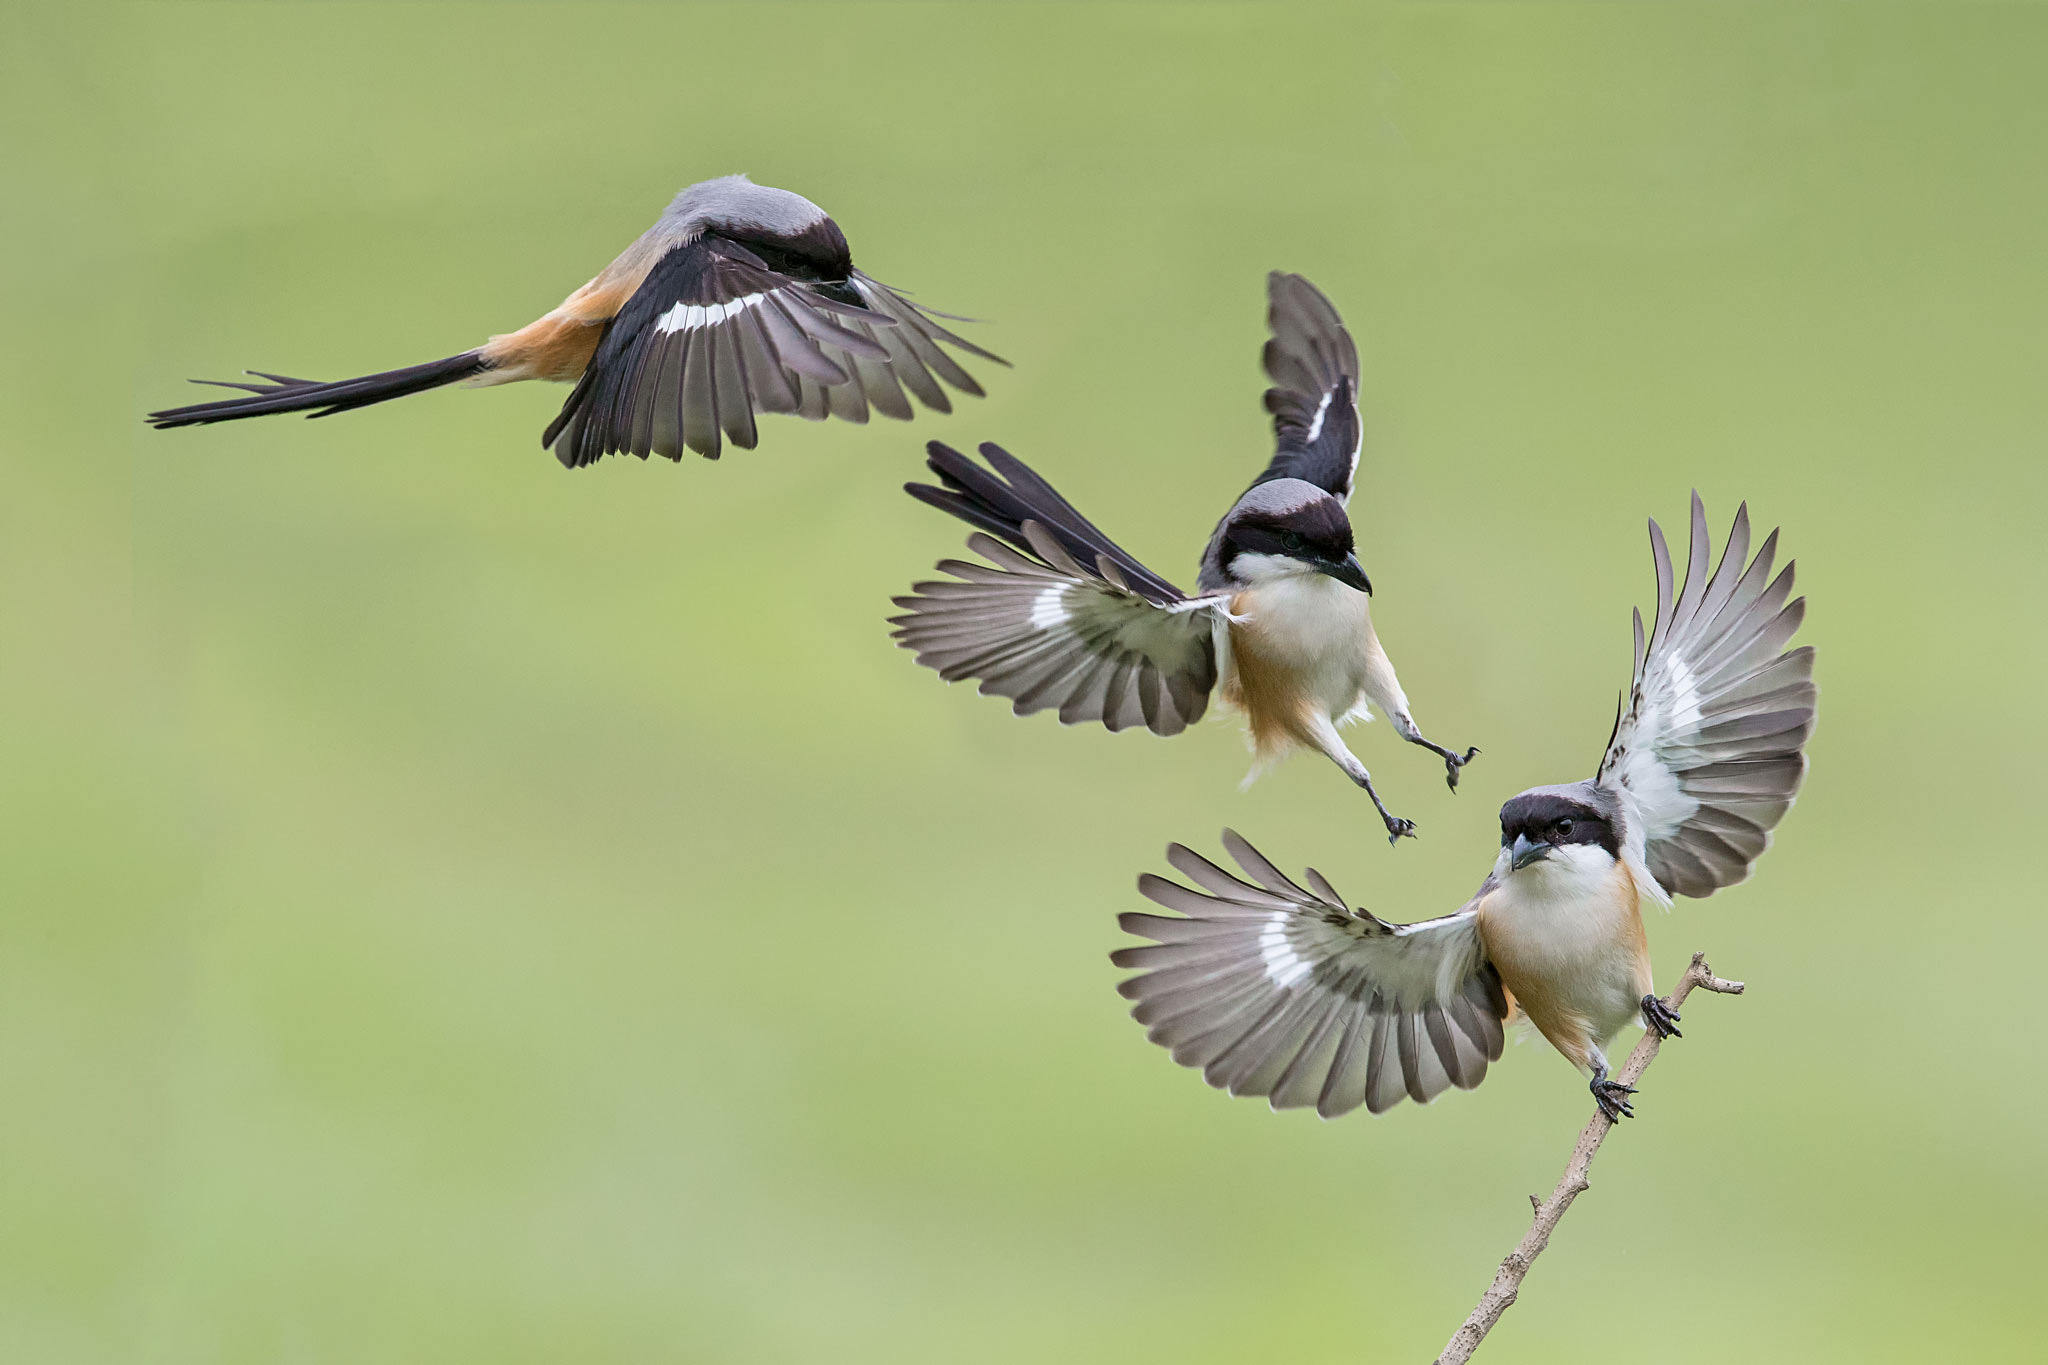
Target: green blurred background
point(456, 909)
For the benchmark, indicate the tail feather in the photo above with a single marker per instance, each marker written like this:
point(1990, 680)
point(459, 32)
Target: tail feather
point(285, 394)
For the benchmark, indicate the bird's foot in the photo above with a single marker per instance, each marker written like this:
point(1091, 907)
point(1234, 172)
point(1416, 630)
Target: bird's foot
point(1452, 763)
point(1396, 826)
point(1660, 1018)
point(1612, 1097)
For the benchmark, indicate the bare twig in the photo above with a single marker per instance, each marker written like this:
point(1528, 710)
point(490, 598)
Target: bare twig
point(1507, 1281)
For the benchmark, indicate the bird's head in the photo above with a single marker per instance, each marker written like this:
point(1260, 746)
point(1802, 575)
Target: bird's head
point(784, 230)
point(1550, 832)
point(1289, 527)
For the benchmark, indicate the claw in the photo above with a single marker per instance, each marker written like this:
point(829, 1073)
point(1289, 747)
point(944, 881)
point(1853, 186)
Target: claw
point(1397, 828)
point(1452, 763)
point(1660, 1018)
point(1612, 1097)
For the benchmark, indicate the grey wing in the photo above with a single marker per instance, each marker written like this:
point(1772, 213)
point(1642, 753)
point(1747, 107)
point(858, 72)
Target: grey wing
point(1277, 990)
point(1313, 364)
point(1709, 745)
point(1049, 633)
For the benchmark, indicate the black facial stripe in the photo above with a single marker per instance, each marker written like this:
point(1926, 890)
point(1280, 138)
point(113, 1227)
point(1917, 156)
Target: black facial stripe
point(1319, 530)
point(1539, 817)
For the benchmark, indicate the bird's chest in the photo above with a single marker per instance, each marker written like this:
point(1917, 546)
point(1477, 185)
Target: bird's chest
point(1569, 943)
point(1312, 630)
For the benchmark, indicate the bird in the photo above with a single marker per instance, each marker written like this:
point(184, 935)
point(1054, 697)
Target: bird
point(1279, 989)
point(741, 299)
point(1061, 617)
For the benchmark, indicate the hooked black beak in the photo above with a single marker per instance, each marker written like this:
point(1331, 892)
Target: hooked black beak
point(1525, 852)
point(1347, 571)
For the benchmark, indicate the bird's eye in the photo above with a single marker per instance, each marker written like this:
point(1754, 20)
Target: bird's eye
point(1564, 829)
point(1291, 541)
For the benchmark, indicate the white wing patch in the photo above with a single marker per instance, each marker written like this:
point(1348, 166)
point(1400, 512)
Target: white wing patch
point(1685, 695)
point(1049, 608)
point(689, 317)
point(1315, 427)
point(1645, 770)
point(1661, 804)
point(1284, 966)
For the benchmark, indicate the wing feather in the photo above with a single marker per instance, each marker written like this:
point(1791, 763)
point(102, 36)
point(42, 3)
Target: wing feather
point(1708, 749)
point(1050, 634)
point(1277, 990)
point(921, 333)
point(714, 335)
point(1301, 1082)
point(1003, 497)
point(1313, 364)
point(1344, 1088)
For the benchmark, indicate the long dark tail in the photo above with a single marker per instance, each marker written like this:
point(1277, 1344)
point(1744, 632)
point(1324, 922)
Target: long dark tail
point(285, 394)
point(1001, 498)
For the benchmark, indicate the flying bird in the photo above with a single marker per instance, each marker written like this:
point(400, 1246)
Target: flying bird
point(1281, 990)
point(1061, 617)
point(741, 299)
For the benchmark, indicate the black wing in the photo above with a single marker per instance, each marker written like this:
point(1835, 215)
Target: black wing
point(1001, 498)
point(715, 335)
point(1314, 399)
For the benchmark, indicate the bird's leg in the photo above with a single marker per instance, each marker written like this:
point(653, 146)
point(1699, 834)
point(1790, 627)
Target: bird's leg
point(1660, 1018)
point(1324, 736)
point(1611, 1096)
point(1405, 726)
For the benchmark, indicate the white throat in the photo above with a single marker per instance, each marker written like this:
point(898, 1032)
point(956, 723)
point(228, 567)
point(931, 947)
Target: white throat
point(1257, 568)
point(1572, 873)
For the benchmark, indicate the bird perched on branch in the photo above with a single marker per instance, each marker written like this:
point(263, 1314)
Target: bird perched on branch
point(1061, 617)
point(740, 300)
point(1277, 989)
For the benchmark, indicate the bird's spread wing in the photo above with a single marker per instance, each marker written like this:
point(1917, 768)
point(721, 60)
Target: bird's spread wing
point(1276, 990)
point(1314, 399)
point(1049, 632)
point(715, 335)
point(1709, 742)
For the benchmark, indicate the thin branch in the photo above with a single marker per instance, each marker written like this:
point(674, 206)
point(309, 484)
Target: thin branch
point(1507, 1281)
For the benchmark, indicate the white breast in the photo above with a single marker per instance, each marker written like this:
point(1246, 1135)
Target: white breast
point(1566, 927)
point(1308, 623)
